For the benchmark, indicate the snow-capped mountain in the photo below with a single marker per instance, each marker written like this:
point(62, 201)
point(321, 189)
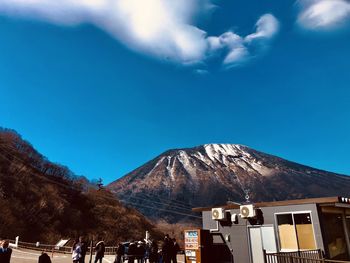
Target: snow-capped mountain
point(216, 173)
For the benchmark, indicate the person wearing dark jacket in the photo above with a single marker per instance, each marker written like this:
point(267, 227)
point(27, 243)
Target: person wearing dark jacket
point(5, 252)
point(132, 250)
point(100, 251)
point(120, 253)
point(84, 248)
point(166, 249)
point(140, 252)
point(153, 252)
point(44, 258)
point(175, 248)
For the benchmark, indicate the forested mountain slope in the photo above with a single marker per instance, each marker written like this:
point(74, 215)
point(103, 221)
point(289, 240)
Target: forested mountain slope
point(44, 201)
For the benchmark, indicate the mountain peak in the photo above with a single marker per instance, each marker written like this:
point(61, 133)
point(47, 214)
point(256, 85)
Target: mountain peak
point(215, 173)
point(224, 149)
point(212, 151)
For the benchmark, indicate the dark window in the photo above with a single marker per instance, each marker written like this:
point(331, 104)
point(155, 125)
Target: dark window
point(334, 236)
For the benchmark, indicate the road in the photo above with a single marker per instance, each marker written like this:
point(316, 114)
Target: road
point(30, 256)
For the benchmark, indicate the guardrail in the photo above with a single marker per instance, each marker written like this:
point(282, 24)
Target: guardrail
point(309, 256)
point(56, 249)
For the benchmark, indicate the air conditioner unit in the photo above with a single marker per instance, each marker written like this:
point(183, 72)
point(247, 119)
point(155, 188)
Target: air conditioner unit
point(218, 214)
point(247, 211)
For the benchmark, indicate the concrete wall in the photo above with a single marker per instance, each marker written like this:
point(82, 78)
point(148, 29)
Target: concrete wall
point(237, 234)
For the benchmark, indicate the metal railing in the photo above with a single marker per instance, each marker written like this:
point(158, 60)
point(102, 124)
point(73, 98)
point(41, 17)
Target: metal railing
point(309, 256)
point(56, 249)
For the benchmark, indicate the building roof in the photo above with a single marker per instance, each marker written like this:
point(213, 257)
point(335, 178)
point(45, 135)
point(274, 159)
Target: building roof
point(322, 200)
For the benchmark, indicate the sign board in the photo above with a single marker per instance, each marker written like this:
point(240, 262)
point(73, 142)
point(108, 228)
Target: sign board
point(197, 246)
point(190, 253)
point(191, 240)
point(61, 243)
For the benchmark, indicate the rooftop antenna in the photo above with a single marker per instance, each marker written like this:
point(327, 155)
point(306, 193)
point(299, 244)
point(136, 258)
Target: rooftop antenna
point(244, 189)
point(247, 197)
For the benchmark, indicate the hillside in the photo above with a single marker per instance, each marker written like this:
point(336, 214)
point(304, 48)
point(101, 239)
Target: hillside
point(44, 201)
point(216, 173)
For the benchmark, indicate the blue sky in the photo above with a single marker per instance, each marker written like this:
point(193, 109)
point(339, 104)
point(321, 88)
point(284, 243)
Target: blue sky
point(103, 100)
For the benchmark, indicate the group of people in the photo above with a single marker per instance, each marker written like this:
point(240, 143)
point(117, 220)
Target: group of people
point(135, 251)
point(140, 251)
point(80, 248)
point(169, 250)
point(6, 252)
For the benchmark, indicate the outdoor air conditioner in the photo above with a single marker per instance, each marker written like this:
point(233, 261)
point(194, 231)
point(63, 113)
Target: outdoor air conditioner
point(247, 211)
point(218, 214)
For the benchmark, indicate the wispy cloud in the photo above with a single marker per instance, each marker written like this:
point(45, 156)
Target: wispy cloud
point(323, 14)
point(237, 49)
point(161, 28)
point(266, 28)
point(230, 46)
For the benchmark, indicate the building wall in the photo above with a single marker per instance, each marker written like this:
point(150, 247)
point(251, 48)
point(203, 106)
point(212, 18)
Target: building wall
point(236, 235)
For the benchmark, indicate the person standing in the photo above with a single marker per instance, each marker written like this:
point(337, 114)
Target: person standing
point(132, 250)
point(84, 248)
point(153, 252)
point(140, 252)
point(76, 252)
point(100, 251)
point(166, 253)
point(5, 252)
point(175, 248)
point(120, 253)
point(44, 258)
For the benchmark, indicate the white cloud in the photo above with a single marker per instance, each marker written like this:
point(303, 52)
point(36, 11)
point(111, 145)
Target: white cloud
point(201, 72)
point(239, 49)
point(323, 14)
point(161, 28)
point(60, 12)
point(158, 27)
point(266, 28)
point(236, 56)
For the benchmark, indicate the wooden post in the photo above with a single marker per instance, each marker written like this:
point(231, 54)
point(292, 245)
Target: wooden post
point(320, 256)
point(91, 246)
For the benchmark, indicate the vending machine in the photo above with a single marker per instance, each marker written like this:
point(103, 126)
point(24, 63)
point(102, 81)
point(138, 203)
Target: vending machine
point(197, 246)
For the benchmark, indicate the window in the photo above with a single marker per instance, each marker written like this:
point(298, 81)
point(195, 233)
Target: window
point(295, 231)
point(305, 232)
point(286, 232)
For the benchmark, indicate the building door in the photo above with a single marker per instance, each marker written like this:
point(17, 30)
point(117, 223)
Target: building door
point(261, 238)
point(256, 246)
